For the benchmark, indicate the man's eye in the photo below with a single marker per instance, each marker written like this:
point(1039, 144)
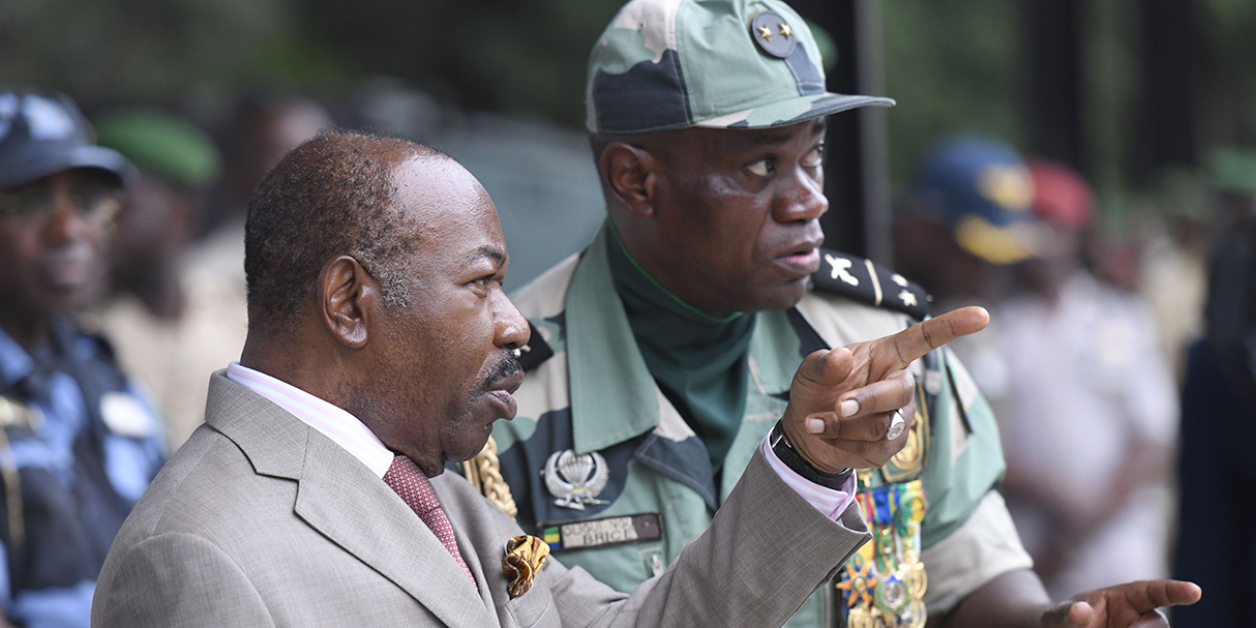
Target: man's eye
point(815, 158)
point(761, 168)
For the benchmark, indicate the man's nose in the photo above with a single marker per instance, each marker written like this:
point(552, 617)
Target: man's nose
point(65, 222)
point(511, 330)
point(802, 199)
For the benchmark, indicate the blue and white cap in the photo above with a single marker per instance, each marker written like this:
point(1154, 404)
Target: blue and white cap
point(42, 134)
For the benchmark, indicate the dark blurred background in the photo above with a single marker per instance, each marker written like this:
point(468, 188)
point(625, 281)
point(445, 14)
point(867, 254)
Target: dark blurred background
point(1124, 90)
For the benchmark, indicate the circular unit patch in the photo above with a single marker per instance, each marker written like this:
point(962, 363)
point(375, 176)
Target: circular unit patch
point(773, 34)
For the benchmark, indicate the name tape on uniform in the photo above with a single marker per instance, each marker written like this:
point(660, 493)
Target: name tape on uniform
point(591, 533)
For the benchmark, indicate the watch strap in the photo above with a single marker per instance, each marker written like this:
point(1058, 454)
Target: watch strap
point(792, 459)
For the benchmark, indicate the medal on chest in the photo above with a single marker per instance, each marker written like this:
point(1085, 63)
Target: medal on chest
point(883, 585)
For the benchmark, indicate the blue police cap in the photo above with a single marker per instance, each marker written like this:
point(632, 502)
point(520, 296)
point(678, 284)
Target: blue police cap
point(981, 189)
point(44, 133)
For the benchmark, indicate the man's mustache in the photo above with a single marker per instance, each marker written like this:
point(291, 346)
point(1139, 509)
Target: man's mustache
point(507, 367)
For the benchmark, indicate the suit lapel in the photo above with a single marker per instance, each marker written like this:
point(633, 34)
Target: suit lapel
point(356, 510)
point(484, 530)
point(473, 537)
point(342, 499)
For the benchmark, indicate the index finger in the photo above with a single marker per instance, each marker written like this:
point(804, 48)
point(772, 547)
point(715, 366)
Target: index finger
point(915, 341)
point(1149, 594)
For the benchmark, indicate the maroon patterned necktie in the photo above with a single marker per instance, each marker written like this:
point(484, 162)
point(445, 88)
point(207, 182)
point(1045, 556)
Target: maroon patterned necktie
point(405, 478)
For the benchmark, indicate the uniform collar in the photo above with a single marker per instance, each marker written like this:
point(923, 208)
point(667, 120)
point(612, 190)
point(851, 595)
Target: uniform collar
point(609, 378)
point(64, 339)
point(15, 363)
point(699, 359)
point(613, 396)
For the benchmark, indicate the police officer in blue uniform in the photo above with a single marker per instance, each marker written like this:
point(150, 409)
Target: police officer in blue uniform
point(79, 445)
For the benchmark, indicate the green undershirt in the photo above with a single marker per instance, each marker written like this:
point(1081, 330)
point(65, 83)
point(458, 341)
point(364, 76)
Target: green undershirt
point(698, 359)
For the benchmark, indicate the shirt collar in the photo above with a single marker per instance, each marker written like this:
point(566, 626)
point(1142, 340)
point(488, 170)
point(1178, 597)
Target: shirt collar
point(335, 423)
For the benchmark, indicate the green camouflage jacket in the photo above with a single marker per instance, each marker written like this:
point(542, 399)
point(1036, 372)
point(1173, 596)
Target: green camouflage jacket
point(605, 469)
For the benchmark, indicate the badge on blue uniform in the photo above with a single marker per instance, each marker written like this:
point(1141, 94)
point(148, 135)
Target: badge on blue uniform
point(125, 415)
point(14, 413)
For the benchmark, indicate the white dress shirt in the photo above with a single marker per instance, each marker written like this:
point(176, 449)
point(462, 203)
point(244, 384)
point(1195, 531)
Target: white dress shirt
point(342, 428)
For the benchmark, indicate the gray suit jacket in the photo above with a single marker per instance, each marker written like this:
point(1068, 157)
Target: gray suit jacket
point(260, 520)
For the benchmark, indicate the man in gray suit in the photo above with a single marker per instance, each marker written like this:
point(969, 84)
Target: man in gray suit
point(380, 347)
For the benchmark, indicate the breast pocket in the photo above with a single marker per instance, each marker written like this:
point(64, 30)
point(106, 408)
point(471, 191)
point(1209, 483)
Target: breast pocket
point(534, 608)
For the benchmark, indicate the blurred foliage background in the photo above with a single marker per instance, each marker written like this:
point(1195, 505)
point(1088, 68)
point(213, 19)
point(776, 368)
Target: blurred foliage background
point(952, 65)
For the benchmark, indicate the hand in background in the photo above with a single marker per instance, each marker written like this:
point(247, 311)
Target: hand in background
point(1129, 605)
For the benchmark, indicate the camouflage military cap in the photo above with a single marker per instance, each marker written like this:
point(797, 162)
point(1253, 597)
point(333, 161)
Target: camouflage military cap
point(674, 64)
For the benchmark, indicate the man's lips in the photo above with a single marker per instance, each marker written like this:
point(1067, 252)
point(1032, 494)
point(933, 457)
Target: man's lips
point(801, 260)
point(508, 384)
point(503, 391)
point(67, 268)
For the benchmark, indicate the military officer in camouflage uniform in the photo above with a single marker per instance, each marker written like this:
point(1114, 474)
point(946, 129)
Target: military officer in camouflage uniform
point(662, 355)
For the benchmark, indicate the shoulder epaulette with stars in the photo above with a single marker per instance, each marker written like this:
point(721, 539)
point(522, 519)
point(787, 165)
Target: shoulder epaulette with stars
point(860, 279)
point(535, 352)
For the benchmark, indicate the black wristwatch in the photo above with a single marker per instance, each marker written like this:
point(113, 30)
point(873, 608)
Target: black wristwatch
point(792, 459)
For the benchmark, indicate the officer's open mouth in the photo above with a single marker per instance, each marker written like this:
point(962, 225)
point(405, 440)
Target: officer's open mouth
point(803, 260)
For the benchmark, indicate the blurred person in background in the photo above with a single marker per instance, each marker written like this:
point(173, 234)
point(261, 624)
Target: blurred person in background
point(966, 216)
point(1172, 252)
point(210, 329)
point(965, 221)
point(1217, 471)
point(263, 128)
point(147, 315)
point(1090, 416)
point(79, 443)
point(177, 163)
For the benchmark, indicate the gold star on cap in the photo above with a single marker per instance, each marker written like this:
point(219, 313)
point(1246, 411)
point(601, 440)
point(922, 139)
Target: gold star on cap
point(768, 23)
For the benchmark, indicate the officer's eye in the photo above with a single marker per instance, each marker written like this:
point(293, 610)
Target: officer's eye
point(763, 167)
point(815, 158)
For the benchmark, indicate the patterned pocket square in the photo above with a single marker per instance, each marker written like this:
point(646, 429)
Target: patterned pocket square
point(525, 555)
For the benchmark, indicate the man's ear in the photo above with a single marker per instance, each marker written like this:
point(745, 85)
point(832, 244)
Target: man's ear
point(630, 175)
point(347, 298)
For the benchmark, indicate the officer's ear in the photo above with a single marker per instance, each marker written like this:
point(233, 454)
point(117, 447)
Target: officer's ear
point(629, 174)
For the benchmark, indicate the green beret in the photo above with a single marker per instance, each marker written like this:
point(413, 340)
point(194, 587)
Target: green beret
point(1233, 171)
point(162, 145)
